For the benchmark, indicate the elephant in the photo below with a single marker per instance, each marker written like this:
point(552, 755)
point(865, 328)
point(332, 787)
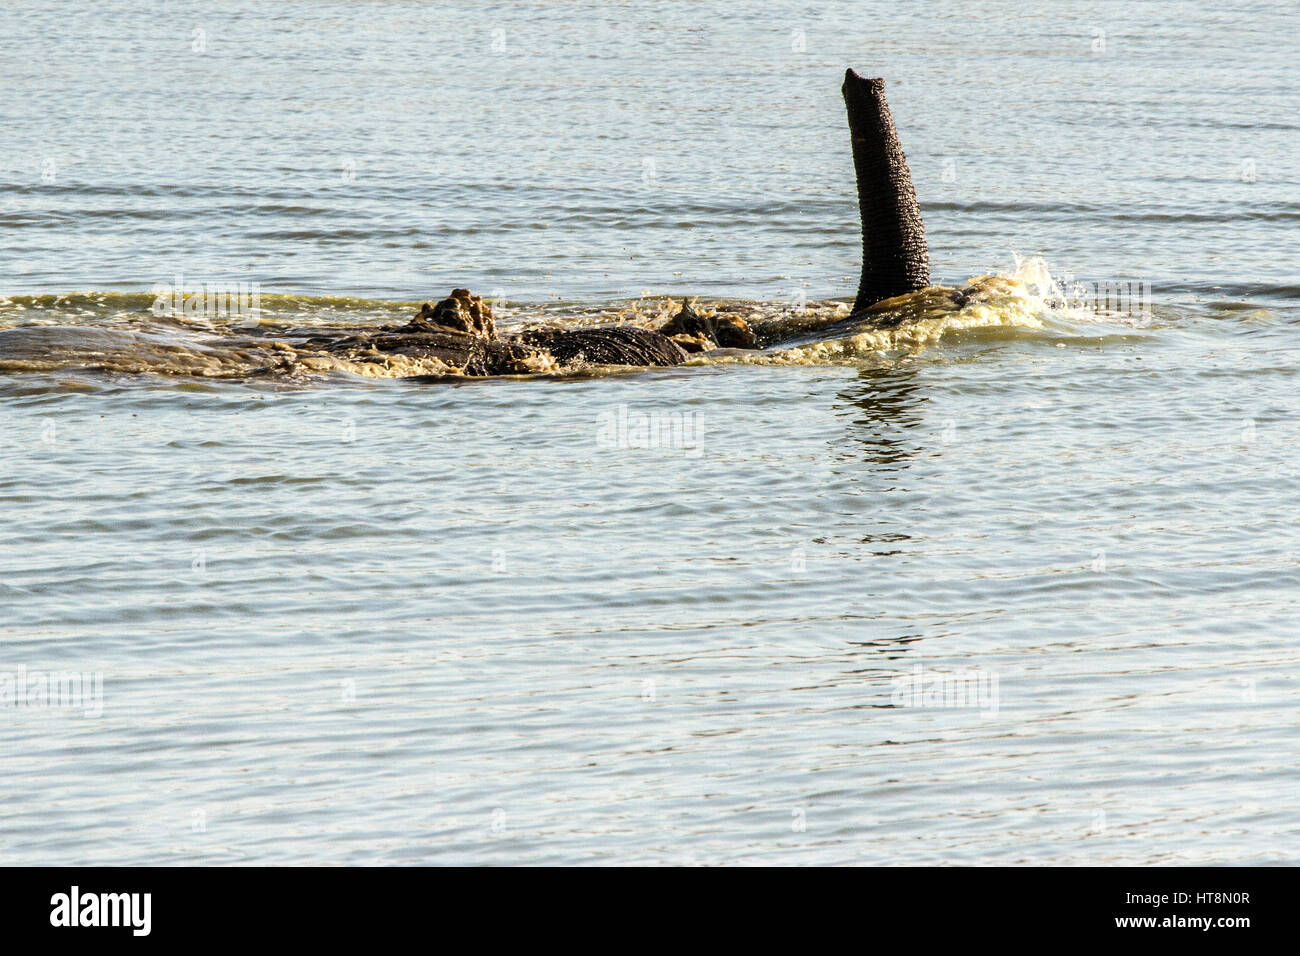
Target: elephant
point(460, 330)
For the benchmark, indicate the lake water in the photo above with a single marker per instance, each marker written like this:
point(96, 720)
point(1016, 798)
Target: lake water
point(1015, 586)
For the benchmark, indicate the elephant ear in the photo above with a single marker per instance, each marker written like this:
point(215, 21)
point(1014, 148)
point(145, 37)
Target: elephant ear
point(895, 258)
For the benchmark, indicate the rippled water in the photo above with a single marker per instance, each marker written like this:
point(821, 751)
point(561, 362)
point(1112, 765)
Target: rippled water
point(671, 616)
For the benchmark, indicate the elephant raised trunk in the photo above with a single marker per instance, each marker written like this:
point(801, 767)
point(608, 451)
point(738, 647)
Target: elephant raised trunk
point(895, 258)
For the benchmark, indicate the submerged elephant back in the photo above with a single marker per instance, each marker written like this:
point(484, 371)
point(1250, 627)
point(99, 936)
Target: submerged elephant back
point(606, 345)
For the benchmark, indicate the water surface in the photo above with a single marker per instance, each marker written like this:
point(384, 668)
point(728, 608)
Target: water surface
point(345, 619)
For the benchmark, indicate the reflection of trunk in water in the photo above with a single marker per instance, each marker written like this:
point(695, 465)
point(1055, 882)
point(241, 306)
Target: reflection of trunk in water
point(889, 402)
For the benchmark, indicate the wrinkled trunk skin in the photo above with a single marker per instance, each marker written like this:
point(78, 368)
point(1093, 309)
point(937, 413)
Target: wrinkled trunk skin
point(895, 258)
